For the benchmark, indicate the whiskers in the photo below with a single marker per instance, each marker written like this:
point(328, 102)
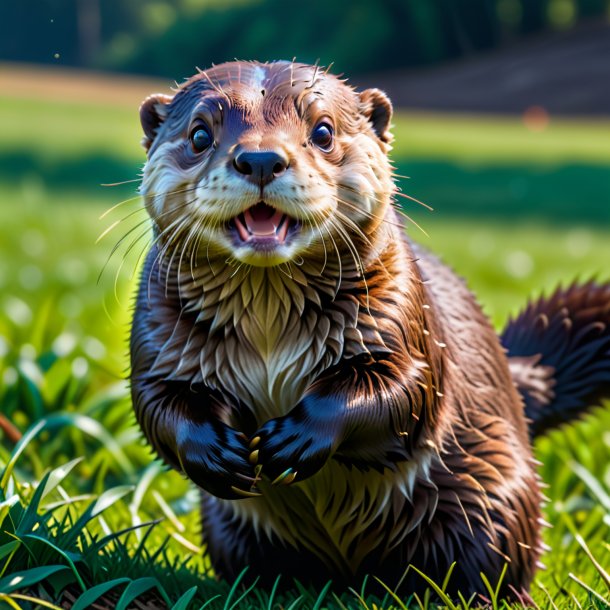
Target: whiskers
point(340, 226)
point(340, 249)
point(337, 222)
point(136, 230)
point(395, 207)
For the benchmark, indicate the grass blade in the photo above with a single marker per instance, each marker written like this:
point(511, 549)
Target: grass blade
point(392, 594)
point(19, 449)
point(185, 599)
point(35, 600)
point(444, 597)
point(7, 548)
point(293, 605)
point(604, 575)
point(57, 475)
point(273, 591)
point(136, 588)
point(88, 597)
point(448, 576)
point(9, 602)
point(589, 589)
point(212, 599)
point(63, 554)
point(27, 578)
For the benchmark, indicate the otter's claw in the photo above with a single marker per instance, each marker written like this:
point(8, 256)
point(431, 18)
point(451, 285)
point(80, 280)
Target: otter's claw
point(245, 493)
point(303, 440)
point(287, 477)
point(215, 457)
point(290, 478)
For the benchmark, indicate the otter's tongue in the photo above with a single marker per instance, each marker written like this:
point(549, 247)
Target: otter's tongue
point(262, 219)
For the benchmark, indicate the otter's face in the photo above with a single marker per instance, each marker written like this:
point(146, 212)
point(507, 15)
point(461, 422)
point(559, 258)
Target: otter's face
point(265, 163)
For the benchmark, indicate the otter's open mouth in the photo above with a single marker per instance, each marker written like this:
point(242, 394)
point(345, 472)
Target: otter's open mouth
point(263, 224)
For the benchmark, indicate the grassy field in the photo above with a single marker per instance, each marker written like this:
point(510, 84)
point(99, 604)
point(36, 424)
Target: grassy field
point(64, 318)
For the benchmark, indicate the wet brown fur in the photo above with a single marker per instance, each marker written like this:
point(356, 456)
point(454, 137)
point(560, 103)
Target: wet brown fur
point(430, 462)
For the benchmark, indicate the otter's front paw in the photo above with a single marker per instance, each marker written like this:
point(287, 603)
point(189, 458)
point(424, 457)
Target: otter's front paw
point(294, 447)
point(215, 457)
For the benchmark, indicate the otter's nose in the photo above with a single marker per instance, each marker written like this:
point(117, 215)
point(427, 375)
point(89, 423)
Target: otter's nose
point(260, 166)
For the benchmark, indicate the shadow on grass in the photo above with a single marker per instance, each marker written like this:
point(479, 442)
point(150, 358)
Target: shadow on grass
point(561, 194)
point(85, 173)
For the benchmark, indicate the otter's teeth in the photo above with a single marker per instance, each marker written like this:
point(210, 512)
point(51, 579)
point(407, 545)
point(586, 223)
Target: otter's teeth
point(241, 229)
point(262, 222)
point(282, 230)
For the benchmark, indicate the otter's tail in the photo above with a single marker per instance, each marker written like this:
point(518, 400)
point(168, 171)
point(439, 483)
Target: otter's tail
point(559, 354)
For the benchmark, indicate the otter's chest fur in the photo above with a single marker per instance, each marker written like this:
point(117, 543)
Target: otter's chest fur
point(261, 336)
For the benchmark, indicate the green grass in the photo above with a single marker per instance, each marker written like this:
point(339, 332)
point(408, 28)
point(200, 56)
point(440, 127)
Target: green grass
point(51, 129)
point(63, 357)
point(472, 139)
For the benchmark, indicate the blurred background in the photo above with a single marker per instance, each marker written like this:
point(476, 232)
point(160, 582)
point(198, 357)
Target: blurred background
point(502, 125)
point(502, 116)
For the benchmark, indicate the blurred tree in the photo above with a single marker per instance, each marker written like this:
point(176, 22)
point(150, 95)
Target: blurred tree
point(169, 38)
point(533, 15)
point(561, 14)
point(89, 29)
point(592, 8)
point(34, 31)
point(358, 35)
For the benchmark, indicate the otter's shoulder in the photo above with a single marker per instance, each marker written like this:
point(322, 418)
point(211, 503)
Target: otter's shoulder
point(453, 299)
point(475, 361)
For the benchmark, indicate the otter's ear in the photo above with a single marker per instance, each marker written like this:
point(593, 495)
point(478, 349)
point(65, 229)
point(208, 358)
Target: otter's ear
point(153, 111)
point(377, 108)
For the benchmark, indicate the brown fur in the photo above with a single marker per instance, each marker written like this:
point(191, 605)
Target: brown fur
point(424, 455)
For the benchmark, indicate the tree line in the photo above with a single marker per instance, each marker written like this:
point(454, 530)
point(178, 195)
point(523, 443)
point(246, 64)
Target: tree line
point(170, 38)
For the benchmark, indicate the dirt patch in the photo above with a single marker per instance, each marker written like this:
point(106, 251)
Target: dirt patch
point(57, 83)
point(564, 73)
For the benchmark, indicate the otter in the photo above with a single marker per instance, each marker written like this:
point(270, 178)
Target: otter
point(334, 389)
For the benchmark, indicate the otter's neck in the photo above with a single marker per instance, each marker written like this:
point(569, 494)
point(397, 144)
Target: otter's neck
point(260, 335)
point(263, 335)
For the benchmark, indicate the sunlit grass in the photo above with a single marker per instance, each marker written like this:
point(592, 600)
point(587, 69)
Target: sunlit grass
point(506, 264)
point(65, 129)
point(481, 140)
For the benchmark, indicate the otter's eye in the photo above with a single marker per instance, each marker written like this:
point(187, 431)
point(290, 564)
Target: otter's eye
point(322, 137)
point(201, 139)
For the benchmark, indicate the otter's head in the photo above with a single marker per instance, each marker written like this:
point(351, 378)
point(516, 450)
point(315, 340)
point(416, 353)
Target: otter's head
point(266, 163)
